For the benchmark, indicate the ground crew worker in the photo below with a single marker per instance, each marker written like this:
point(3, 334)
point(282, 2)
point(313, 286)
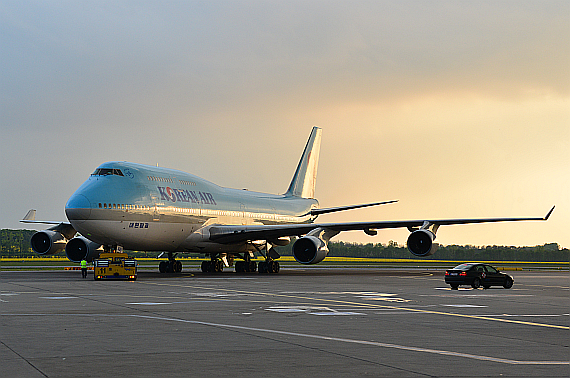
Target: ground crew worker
point(83, 268)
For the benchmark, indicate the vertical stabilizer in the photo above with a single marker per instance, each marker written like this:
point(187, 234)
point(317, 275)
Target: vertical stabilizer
point(305, 178)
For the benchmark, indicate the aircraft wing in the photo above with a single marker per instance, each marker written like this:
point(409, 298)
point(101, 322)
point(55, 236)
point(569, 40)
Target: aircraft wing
point(65, 228)
point(227, 234)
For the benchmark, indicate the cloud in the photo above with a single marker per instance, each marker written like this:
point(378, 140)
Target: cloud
point(418, 100)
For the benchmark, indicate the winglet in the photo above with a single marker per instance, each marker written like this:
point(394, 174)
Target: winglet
point(550, 212)
point(31, 215)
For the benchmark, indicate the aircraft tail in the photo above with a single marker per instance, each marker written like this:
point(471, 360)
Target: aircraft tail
point(305, 178)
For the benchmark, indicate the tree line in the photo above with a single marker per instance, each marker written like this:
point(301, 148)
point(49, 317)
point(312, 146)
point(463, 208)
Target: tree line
point(16, 243)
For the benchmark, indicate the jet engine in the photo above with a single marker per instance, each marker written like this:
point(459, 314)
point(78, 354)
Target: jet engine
point(310, 250)
point(80, 248)
point(420, 243)
point(48, 242)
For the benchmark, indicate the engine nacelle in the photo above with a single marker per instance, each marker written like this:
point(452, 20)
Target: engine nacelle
point(310, 250)
point(80, 248)
point(47, 242)
point(420, 243)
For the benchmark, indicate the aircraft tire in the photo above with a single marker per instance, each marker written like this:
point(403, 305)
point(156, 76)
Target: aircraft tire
point(239, 267)
point(177, 266)
point(205, 266)
point(163, 267)
point(252, 266)
point(271, 267)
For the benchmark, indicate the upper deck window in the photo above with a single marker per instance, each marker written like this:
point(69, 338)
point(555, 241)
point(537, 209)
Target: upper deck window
point(107, 172)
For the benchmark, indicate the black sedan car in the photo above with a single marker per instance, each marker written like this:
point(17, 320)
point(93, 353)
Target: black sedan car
point(477, 275)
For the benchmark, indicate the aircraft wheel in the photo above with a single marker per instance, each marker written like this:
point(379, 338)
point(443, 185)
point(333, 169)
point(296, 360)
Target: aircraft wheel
point(162, 267)
point(177, 266)
point(216, 266)
point(252, 266)
point(262, 267)
point(205, 266)
point(269, 266)
point(239, 267)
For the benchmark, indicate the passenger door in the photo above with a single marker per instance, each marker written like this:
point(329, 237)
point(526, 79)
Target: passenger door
point(495, 278)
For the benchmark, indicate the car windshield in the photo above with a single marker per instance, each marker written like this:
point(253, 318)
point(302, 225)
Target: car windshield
point(463, 267)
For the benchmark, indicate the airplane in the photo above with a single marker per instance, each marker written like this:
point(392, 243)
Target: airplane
point(133, 206)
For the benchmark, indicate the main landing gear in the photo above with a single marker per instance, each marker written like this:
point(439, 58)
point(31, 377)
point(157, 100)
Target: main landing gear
point(212, 266)
point(216, 264)
point(170, 266)
point(269, 266)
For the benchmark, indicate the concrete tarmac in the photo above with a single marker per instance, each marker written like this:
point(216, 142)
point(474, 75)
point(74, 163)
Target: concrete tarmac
point(313, 322)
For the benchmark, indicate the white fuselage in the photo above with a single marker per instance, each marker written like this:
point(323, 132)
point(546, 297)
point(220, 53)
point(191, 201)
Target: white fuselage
point(148, 208)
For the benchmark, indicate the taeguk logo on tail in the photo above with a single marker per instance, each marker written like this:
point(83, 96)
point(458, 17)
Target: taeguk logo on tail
point(182, 195)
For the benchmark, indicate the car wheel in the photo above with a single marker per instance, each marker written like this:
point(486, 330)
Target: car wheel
point(476, 284)
point(508, 283)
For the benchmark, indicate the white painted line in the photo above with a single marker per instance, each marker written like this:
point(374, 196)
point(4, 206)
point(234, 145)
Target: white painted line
point(465, 305)
point(336, 313)
point(58, 297)
point(149, 303)
point(363, 342)
point(286, 310)
point(320, 337)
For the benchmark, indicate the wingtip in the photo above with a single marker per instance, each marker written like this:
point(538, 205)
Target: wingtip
point(550, 212)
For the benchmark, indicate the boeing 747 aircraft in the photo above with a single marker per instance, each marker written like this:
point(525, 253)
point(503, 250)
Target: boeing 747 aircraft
point(139, 207)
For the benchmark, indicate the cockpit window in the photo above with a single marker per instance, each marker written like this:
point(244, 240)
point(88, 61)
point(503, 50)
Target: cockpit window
point(107, 171)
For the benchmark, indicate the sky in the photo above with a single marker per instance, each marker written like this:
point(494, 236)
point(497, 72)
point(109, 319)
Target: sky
point(458, 109)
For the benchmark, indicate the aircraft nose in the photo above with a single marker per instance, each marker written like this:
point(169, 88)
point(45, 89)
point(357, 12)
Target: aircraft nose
point(78, 208)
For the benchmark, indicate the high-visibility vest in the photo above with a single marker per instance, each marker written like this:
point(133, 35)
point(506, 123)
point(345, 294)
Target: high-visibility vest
point(83, 264)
